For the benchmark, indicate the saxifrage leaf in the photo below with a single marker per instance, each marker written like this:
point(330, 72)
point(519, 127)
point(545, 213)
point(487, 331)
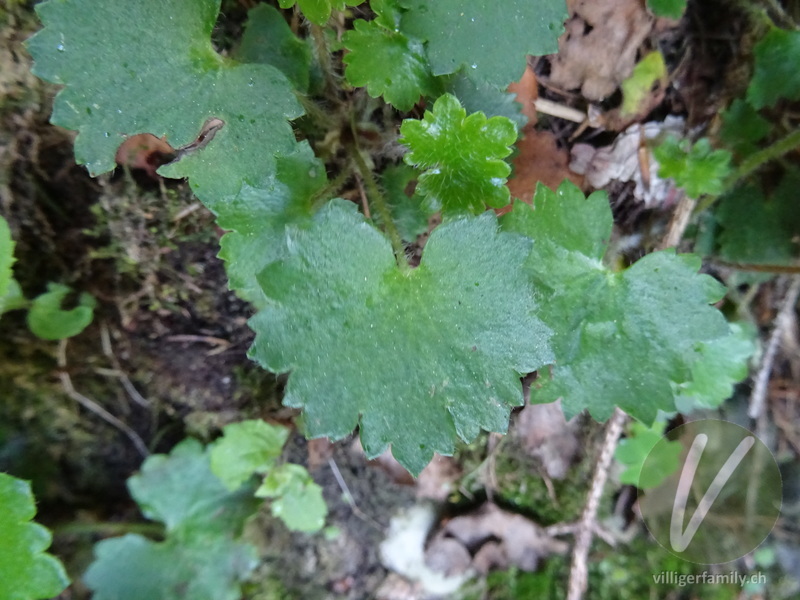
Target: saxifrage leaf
point(319, 11)
point(246, 448)
point(388, 63)
point(415, 358)
point(637, 446)
point(26, 571)
point(409, 213)
point(489, 39)
point(697, 168)
point(47, 320)
point(620, 339)
point(142, 67)
point(462, 157)
point(297, 499)
point(743, 127)
point(774, 74)
point(200, 567)
point(257, 217)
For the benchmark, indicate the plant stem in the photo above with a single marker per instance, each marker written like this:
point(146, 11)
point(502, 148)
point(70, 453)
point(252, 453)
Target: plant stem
point(155, 530)
point(323, 55)
point(330, 190)
point(754, 162)
point(376, 198)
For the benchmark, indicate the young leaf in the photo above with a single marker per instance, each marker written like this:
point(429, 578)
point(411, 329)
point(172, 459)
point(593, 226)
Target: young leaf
point(414, 358)
point(47, 320)
point(13, 298)
point(196, 566)
point(672, 9)
point(246, 448)
point(637, 446)
point(142, 67)
point(462, 157)
point(489, 39)
point(620, 339)
point(257, 217)
point(319, 11)
point(698, 169)
point(269, 40)
point(388, 63)
point(774, 74)
point(636, 88)
point(297, 499)
point(722, 363)
point(26, 571)
point(6, 257)
point(743, 127)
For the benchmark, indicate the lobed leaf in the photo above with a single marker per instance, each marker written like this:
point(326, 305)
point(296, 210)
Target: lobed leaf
point(774, 73)
point(388, 63)
point(142, 67)
point(697, 168)
point(462, 157)
point(743, 127)
point(620, 339)
point(319, 11)
point(47, 320)
point(297, 499)
point(488, 39)
point(27, 572)
point(639, 444)
point(408, 211)
point(415, 358)
point(246, 448)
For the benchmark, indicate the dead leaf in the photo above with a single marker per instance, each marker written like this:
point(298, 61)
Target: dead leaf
point(547, 436)
point(146, 152)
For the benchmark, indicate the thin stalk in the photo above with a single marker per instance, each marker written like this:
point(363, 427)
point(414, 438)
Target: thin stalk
point(378, 201)
point(330, 190)
point(323, 55)
point(155, 530)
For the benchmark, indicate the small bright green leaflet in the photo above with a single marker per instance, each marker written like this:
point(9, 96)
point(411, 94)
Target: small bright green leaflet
point(142, 67)
point(697, 168)
point(757, 230)
point(319, 11)
point(246, 448)
point(490, 39)
point(620, 339)
point(722, 364)
point(26, 571)
point(743, 127)
point(47, 320)
point(775, 75)
point(462, 157)
point(269, 40)
point(636, 88)
point(13, 298)
point(257, 217)
point(637, 446)
point(6, 257)
point(408, 212)
point(297, 499)
point(414, 358)
point(672, 9)
point(200, 557)
point(388, 63)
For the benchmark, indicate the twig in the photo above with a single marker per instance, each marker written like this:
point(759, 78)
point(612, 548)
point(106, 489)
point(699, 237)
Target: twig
point(105, 341)
point(679, 222)
point(93, 406)
point(578, 573)
point(782, 322)
point(349, 497)
point(554, 109)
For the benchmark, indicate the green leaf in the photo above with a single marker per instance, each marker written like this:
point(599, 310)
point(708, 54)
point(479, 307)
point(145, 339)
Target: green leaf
point(13, 299)
point(672, 9)
point(482, 97)
point(257, 217)
point(319, 11)
point(26, 571)
point(722, 364)
point(297, 499)
point(637, 446)
point(774, 73)
point(180, 490)
point(620, 339)
point(415, 358)
point(636, 88)
point(200, 567)
point(757, 230)
point(388, 63)
point(462, 157)
point(47, 320)
point(408, 212)
point(269, 40)
point(697, 168)
point(743, 127)
point(246, 448)
point(143, 67)
point(6, 257)
point(489, 39)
